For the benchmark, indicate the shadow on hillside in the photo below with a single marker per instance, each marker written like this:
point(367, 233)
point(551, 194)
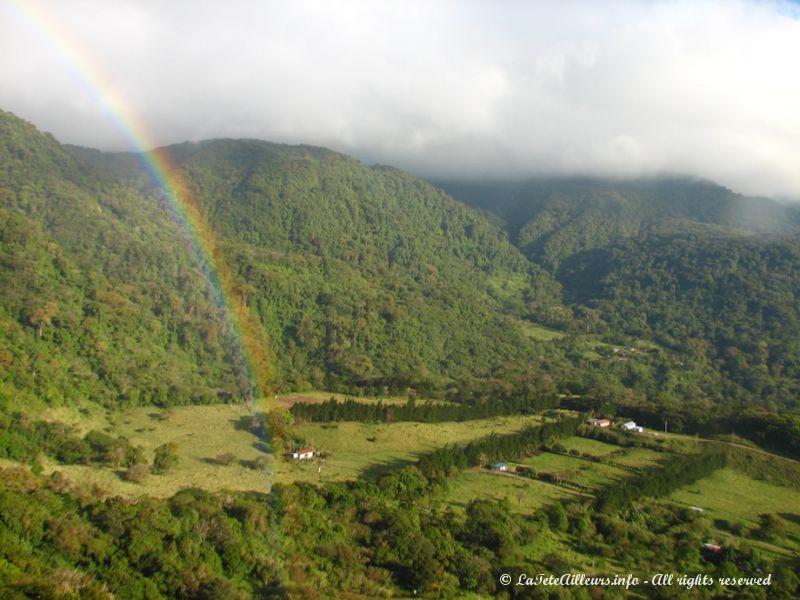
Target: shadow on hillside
point(252, 423)
point(374, 471)
point(791, 517)
point(263, 447)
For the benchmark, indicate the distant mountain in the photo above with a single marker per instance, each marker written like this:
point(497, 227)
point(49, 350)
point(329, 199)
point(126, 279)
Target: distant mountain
point(710, 273)
point(550, 219)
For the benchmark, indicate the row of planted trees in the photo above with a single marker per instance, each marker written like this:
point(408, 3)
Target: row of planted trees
point(427, 412)
point(444, 461)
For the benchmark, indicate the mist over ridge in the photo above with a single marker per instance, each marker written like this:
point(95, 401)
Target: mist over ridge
point(445, 90)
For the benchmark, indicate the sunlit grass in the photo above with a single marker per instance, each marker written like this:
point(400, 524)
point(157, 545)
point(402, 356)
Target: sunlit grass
point(201, 433)
point(364, 449)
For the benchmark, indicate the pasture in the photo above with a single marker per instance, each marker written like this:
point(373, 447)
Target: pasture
point(524, 495)
point(201, 433)
point(358, 450)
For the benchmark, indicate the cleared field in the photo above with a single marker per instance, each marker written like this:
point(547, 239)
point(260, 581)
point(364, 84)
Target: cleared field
point(539, 332)
point(365, 449)
point(201, 433)
point(525, 495)
point(589, 446)
point(640, 457)
point(732, 495)
point(576, 470)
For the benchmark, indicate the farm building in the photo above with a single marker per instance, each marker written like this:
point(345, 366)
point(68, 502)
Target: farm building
point(599, 422)
point(303, 454)
point(500, 467)
point(632, 426)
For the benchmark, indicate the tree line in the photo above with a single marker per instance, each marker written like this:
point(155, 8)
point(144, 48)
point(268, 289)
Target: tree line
point(442, 462)
point(660, 480)
point(777, 432)
point(426, 412)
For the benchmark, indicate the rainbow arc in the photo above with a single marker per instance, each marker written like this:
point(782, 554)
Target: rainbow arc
point(251, 348)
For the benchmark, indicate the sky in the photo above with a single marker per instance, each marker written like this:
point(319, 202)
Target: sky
point(462, 89)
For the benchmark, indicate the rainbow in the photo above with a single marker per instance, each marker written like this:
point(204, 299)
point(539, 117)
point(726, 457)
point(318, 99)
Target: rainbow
point(250, 345)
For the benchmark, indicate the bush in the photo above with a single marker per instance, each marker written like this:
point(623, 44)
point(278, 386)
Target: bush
point(770, 526)
point(225, 459)
point(138, 473)
point(166, 458)
point(557, 517)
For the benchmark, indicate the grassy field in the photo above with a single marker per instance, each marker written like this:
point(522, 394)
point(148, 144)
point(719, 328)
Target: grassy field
point(731, 495)
point(201, 433)
point(638, 458)
point(364, 449)
point(735, 500)
point(204, 432)
point(576, 470)
point(588, 446)
point(525, 495)
point(539, 332)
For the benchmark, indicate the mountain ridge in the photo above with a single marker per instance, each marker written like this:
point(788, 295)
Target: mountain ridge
point(367, 279)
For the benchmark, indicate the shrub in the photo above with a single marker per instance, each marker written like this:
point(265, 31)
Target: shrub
point(225, 459)
point(166, 458)
point(137, 473)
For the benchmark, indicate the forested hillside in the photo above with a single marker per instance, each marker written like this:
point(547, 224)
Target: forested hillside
point(357, 275)
point(660, 302)
point(690, 265)
point(363, 274)
point(551, 219)
point(369, 280)
point(99, 298)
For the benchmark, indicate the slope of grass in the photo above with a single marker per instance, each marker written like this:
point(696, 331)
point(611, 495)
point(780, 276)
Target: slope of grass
point(525, 495)
point(576, 470)
point(732, 495)
point(365, 449)
point(639, 457)
point(589, 446)
point(736, 498)
point(201, 433)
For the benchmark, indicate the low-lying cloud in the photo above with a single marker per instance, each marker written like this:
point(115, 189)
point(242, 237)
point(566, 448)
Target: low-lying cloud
point(444, 89)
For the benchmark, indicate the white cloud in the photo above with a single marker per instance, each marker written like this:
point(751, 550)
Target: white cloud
point(700, 87)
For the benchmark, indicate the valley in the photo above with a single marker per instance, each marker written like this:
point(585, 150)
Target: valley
point(155, 377)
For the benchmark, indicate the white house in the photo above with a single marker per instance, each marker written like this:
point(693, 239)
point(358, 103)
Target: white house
point(631, 426)
point(303, 454)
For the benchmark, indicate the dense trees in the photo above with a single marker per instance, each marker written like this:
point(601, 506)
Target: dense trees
point(25, 439)
point(425, 412)
point(702, 271)
point(370, 281)
point(660, 481)
point(446, 460)
point(364, 278)
point(60, 541)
